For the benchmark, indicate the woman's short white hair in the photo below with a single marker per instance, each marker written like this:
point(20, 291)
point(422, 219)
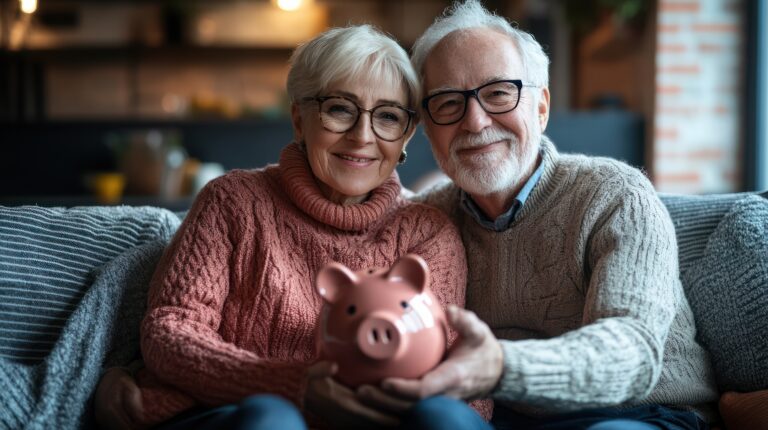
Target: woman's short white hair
point(347, 54)
point(471, 14)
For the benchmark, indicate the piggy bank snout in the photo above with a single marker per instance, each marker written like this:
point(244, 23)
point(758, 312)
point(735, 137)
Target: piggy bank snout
point(379, 337)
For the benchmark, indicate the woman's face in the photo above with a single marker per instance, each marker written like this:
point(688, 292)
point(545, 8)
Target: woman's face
point(350, 165)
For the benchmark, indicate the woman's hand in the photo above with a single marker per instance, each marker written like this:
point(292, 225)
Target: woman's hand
point(337, 404)
point(117, 402)
point(378, 399)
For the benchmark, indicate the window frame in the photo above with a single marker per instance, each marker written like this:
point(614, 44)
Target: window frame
point(756, 97)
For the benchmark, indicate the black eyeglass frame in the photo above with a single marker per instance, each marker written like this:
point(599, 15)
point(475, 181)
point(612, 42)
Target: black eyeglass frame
point(474, 93)
point(321, 99)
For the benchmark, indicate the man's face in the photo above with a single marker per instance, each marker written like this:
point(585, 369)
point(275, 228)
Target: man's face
point(484, 153)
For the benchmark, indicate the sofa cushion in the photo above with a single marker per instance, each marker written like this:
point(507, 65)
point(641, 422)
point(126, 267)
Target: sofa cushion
point(695, 218)
point(727, 288)
point(48, 259)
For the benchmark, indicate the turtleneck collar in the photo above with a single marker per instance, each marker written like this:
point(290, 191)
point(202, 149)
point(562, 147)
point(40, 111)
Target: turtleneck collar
point(301, 186)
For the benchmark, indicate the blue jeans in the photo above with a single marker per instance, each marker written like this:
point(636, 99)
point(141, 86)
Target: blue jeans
point(259, 412)
point(652, 417)
point(442, 412)
point(271, 412)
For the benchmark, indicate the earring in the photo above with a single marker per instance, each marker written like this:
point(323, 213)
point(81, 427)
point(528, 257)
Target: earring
point(403, 157)
point(302, 145)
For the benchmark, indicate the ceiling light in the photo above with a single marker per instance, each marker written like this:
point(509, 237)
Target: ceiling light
point(28, 6)
point(289, 5)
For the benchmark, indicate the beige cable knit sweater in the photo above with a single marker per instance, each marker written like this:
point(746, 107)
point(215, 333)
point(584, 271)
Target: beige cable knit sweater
point(584, 290)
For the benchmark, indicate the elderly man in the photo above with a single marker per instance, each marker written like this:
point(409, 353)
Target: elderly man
point(579, 316)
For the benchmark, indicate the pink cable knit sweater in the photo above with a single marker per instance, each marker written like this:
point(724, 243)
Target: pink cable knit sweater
point(232, 307)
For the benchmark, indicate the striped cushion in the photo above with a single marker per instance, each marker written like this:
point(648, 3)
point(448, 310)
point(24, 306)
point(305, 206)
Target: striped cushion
point(48, 257)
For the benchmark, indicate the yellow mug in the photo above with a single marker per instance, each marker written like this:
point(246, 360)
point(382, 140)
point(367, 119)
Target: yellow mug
point(108, 187)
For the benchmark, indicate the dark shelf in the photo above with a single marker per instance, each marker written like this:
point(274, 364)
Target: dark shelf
point(186, 52)
point(132, 122)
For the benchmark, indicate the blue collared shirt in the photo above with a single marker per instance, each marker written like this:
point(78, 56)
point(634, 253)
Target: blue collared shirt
point(504, 220)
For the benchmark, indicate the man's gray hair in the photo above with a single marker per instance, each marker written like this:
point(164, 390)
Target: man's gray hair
point(471, 14)
point(346, 54)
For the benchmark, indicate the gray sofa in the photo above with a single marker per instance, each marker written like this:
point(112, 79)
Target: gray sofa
point(73, 290)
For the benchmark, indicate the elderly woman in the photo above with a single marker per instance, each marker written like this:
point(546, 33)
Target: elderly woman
point(232, 309)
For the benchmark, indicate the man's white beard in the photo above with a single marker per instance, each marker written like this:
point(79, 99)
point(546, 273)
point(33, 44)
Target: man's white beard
point(492, 172)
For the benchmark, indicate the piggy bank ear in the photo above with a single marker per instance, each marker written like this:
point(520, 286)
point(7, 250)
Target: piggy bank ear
point(412, 269)
point(332, 280)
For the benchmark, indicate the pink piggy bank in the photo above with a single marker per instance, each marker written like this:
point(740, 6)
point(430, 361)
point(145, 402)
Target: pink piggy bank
point(377, 323)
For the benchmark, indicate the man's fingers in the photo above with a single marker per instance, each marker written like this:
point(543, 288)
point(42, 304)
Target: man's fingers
point(438, 381)
point(442, 380)
point(467, 324)
point(378, 399)
point(469, 369)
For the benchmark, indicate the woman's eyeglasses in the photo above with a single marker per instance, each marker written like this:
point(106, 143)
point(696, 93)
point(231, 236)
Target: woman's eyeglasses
point(340, 114)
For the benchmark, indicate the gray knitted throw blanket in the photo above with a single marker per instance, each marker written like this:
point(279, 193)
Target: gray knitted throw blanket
point(102, 331)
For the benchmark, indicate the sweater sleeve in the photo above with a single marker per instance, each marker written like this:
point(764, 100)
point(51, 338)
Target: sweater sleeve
point(180, 340)
point(632, 292)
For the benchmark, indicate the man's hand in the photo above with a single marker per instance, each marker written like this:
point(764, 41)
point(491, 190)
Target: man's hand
point(337, 404)
point(471, 371)
point(117, 402)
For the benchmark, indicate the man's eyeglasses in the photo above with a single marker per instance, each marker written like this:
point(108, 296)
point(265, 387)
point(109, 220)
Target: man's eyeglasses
point(449, 107)
point(340, 114)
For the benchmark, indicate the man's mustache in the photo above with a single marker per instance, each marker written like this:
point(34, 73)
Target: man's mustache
point(485, 137)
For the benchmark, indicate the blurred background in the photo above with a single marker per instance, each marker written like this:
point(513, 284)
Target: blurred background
point(142, 102)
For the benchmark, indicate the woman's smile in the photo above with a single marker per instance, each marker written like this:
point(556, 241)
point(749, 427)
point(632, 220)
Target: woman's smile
point(355, 160)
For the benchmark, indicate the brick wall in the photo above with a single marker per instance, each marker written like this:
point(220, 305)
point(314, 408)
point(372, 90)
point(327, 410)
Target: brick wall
point(697, 139)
